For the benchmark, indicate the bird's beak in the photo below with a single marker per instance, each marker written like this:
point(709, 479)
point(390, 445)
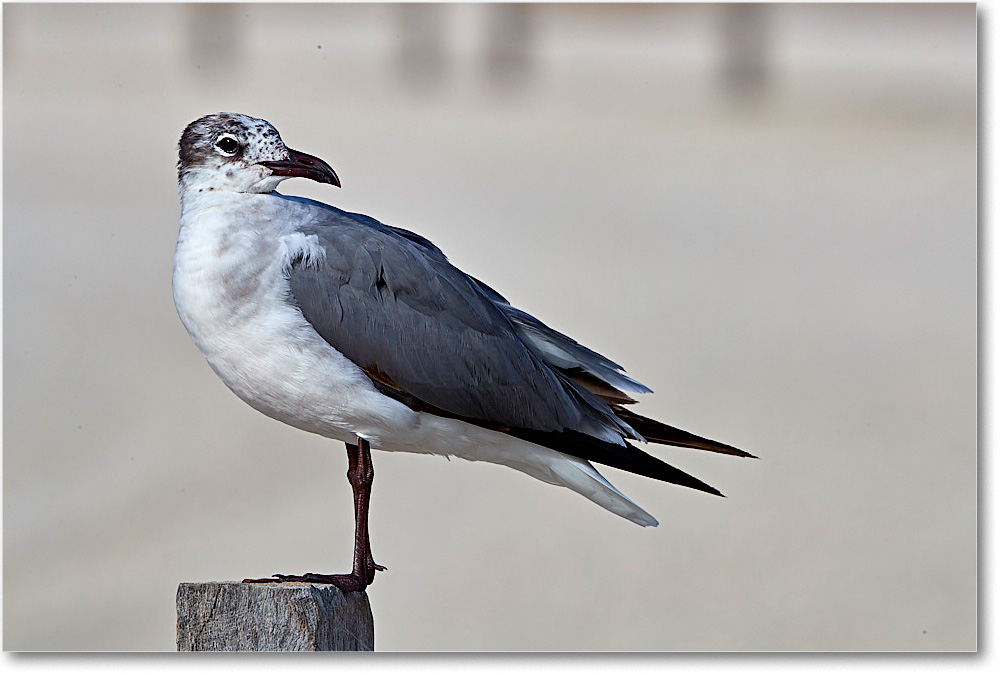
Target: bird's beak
point(304, 166)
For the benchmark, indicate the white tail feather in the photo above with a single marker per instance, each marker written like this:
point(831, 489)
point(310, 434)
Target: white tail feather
point(460, 439)
point(581, 476)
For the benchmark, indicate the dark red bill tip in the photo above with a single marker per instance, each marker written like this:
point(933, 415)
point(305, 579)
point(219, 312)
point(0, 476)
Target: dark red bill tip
point(301, 165)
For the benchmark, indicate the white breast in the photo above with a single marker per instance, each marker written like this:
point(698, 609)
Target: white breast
point(232, 295)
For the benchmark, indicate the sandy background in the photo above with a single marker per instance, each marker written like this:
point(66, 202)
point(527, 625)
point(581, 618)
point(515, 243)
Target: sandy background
point(768, 217)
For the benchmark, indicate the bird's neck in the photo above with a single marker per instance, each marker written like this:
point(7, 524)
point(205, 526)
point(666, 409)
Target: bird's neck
point(193, 181)
point(195, 200)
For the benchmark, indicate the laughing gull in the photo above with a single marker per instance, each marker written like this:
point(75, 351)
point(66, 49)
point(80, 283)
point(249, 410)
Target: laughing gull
point(337, 324)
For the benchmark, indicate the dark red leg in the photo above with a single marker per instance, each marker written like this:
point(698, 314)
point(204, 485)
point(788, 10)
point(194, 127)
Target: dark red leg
point(360, 473)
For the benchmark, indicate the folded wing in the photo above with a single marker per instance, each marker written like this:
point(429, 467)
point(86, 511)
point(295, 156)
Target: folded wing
point(441, 341)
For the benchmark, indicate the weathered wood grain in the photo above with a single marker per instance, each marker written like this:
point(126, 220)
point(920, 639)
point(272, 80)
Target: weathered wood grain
point(231, 616)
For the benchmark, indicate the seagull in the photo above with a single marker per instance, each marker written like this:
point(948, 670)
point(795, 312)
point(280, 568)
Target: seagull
point(340, 325)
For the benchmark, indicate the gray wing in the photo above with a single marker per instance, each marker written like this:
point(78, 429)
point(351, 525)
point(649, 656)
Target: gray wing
point(391, 303)
point(598, 374)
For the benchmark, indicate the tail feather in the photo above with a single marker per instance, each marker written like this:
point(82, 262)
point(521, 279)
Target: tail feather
point(583, 478)
point(580, 476)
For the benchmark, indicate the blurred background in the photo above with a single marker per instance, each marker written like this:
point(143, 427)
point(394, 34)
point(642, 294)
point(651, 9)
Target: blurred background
point(766, 213)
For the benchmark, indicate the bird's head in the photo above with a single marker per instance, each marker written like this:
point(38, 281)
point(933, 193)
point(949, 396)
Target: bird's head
point(237, 153)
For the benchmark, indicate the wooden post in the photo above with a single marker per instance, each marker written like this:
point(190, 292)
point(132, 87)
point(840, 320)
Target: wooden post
point(230, 616)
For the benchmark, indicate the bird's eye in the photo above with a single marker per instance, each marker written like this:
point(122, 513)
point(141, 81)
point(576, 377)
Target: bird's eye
point(227, 145)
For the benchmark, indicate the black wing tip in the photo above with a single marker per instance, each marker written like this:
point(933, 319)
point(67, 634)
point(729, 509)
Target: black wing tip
point(696, 484)
point(736, 452)
point(654, 431)
point(626, 457)
point(693, 442)
point(705, 444)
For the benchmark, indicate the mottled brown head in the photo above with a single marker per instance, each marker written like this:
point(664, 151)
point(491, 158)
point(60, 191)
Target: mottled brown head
point(238, 153)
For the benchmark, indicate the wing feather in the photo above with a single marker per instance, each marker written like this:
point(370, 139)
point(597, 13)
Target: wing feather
point(443, 342)
point(394, 304)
